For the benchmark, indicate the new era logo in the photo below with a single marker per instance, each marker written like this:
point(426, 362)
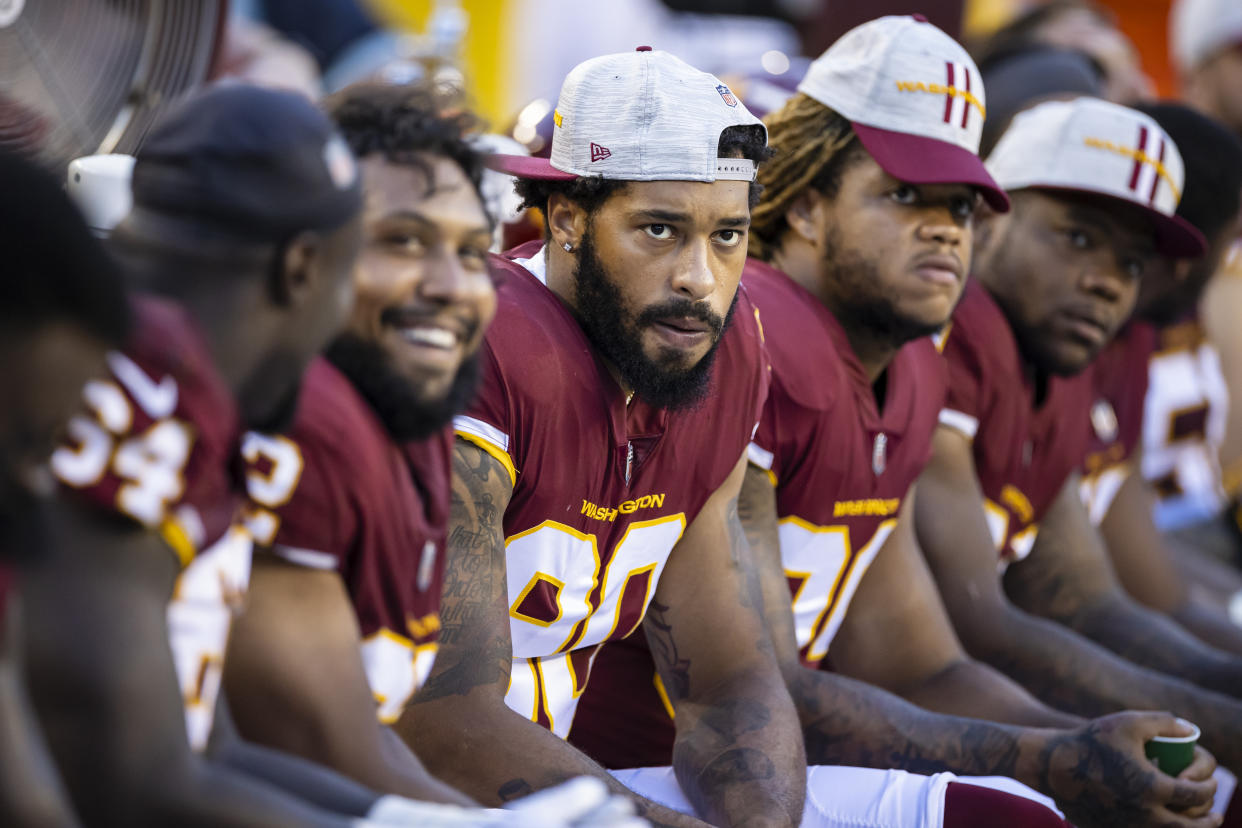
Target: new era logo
point(599, 153)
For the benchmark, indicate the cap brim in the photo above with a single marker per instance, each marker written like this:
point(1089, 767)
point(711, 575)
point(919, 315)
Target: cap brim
point(525, 166)
point(1175, 236)
point(921, 160)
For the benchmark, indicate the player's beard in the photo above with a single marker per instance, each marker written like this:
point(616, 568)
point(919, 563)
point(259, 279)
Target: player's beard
point(406, 414)
point(617, 334)
point(861, 303)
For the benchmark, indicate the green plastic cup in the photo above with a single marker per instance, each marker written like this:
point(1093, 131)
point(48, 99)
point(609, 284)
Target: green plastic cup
point(1173, 754)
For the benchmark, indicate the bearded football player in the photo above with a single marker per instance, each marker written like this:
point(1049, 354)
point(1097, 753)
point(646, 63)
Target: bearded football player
point(351, 503)
point(598, 441)
point(1093, 205)
point(863, 242)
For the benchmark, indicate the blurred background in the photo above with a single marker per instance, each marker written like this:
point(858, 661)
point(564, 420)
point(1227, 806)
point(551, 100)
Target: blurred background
point(81, 76)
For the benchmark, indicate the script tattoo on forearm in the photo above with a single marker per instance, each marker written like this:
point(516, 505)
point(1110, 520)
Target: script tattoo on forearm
point(470, 655)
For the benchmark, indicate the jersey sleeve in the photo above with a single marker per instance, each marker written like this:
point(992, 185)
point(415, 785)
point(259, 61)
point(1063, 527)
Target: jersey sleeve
point(135, 449)
point(300, 508)
point(486, 422)
point(965, 400)
point(780, 440)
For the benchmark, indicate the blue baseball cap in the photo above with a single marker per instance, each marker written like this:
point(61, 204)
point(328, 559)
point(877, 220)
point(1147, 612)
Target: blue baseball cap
point(247, 161)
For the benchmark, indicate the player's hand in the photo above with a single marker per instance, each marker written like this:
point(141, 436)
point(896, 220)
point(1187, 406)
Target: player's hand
point(581, 803)
point(1100, 776)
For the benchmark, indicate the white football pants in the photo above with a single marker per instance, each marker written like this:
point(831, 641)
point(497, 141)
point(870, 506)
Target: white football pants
point(845, 797)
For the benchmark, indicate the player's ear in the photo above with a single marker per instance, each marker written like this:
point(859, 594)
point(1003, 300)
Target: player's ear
point(566, 221)
point(294, 274)
point(805, 216)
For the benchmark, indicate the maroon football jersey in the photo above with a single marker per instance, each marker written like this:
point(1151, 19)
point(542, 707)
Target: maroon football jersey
point(158, 444)
point(602, 488)
point(1120, 373)
point(841, 466)
point(1024, 448)
point(159, 433)
point(335, 492)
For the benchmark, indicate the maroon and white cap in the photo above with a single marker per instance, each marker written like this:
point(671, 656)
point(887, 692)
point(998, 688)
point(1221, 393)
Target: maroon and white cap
point(1092, 146)
point(914, 98)
point(639, 116)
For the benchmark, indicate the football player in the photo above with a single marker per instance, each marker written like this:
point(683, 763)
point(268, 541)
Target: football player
point(351, 503)
point(63, 307)
point(1094, 187)
point(1118, 498)
point(601, 442)
point(867, 211)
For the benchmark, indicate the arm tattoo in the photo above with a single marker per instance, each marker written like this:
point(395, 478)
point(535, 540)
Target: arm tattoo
point(739, 553)
point(848, 722)
point(514, 789)
point(1135, 633)
point(471, 653)
point(664, 648)
point(736, 765)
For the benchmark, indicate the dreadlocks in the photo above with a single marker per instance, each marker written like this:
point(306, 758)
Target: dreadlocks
point(813, 145)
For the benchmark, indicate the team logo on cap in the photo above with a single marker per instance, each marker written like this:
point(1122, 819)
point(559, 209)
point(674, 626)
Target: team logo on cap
point(957, 99)
point(599, 153)
point(340, 163)
point(1148, 169)
point(726, 95)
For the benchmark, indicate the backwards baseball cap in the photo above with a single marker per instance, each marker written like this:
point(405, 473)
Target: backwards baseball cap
point(914, 98)
point(640, 116)
point(252, 162)
point(1092, 146)
point(1199, 29)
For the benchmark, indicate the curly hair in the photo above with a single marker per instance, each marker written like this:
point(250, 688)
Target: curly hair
point(589, 192)
point(404, 124)
point(813, 146)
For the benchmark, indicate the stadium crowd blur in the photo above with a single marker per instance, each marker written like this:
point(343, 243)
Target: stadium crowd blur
point(273, 343)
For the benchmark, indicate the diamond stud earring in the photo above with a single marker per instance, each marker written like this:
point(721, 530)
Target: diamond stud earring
point(568, 247)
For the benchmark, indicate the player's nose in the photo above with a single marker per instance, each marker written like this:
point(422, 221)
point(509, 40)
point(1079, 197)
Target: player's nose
point(693, 277)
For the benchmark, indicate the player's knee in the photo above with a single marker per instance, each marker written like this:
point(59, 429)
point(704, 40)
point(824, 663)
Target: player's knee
point(971, 805)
